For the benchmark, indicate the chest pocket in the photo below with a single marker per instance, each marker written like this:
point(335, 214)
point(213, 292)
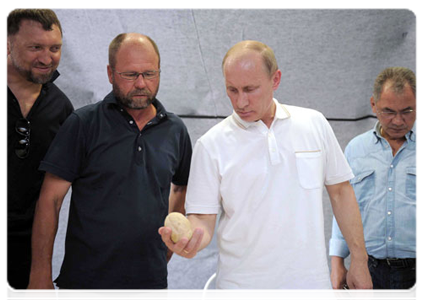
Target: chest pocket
point(410, 184)
point(310, 169)
point(364, 185)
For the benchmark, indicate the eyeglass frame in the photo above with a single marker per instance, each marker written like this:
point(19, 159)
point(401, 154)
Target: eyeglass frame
point(390, 115)
point(26, 138)
point(143, 74)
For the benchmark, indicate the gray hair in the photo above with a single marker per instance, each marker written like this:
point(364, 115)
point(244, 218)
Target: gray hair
point(398, 77)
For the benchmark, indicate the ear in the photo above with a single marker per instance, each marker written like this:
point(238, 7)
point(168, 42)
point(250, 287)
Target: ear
point(110, 74)
point(276, 79)
point(373, 104)
point(8, 47)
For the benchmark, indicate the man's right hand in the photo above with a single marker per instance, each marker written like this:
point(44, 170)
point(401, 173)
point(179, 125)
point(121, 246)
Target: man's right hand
point(40, 290)
point(338, 275)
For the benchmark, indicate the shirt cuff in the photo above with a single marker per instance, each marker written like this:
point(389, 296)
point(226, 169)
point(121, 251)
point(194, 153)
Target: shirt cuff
point(338, 248)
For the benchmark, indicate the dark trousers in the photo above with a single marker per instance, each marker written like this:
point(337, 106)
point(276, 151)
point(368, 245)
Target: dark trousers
point(392, 273)
point(18, 261)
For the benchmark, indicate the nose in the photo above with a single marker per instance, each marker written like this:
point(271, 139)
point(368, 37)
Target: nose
point(398, 119)
point(242, 100)
point(45, 57)
point(140, 82)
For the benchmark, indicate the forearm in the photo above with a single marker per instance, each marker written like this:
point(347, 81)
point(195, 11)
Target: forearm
point(44, 229)
point(348, 217)
point(205, 222)
point(43, 235)
point(177, 198)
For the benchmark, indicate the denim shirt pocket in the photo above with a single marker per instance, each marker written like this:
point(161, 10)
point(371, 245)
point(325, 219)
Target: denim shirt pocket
point(410, 183)
point(364, 186)
point(309, 168)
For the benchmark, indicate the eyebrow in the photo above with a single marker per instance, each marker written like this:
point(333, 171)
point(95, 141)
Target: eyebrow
point(404, 109)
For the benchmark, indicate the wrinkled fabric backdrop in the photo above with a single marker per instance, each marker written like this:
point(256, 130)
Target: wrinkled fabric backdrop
point(328, 58)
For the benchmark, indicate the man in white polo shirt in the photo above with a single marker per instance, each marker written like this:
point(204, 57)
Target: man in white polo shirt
point(264, 168)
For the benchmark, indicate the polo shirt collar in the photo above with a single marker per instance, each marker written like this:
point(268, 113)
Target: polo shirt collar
point(281, 113)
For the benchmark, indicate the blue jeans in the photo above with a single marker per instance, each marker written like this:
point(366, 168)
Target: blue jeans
point(392, 274)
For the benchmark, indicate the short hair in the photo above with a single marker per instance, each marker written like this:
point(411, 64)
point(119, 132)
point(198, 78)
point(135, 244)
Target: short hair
point(117, 42)
point(46, 17)
point(398, 77)
point(267, 54)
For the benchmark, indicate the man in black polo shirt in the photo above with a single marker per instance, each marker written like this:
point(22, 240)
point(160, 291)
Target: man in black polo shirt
point(36, 108)
point(127, 160)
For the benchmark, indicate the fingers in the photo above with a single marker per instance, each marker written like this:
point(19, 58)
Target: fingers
point(191, 248)
point(184, 247)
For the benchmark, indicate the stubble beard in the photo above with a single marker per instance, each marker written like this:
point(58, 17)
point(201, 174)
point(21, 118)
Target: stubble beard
point(128, 100)
point(29, 75)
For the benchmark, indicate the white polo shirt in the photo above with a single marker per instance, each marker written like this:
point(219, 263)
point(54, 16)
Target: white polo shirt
point(267, 184)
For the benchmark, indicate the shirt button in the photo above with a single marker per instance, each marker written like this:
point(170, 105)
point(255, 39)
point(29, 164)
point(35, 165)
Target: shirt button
point(390, 189)
point(389, 213)
point(389, 238)
point(392, 166)
point(131, 122)
point(139, 149)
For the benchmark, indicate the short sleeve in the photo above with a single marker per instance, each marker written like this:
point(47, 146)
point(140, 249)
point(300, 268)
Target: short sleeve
point(185, 152)
point(65, 155)
point(337, 168)
point(203, 192)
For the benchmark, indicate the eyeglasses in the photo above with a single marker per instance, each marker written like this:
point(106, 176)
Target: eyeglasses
point(390, 115)
point(132, 76)
point(22, 127)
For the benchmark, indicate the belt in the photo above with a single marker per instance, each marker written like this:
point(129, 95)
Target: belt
point(396, 262)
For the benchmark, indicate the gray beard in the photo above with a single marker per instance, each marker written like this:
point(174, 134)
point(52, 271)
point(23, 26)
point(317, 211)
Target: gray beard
point(129, 103)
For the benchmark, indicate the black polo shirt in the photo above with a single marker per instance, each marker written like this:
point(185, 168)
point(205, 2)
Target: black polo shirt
point(120, 189)
point(24, 180)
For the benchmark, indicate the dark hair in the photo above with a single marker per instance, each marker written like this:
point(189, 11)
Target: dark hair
point(117, 42)
point(46, 17)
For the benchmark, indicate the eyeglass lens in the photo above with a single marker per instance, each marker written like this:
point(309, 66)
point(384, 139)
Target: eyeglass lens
point(22, 127)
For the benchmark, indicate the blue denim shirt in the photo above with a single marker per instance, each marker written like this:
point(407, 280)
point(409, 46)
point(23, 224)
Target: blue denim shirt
point(385, 188)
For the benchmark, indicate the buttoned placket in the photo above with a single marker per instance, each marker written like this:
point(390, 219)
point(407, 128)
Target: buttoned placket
point(272, 145)
point(390, 197)
point(138, 141)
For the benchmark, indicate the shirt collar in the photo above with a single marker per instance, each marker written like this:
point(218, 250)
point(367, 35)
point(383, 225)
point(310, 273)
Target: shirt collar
point(410, 136)
point(55, 75)
point(281, 113)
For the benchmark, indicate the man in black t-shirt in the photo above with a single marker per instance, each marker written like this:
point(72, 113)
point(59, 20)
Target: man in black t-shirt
point(127, 160)
point(35, 110)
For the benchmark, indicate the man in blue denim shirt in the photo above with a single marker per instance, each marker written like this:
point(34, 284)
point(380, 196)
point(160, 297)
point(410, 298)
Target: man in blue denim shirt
point(384, 163)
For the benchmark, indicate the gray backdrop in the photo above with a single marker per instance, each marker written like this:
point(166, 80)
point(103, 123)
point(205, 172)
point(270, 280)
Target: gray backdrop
point(328, 59)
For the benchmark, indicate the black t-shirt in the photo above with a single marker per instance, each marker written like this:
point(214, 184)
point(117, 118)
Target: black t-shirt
point(120, 189)
point(24, 180)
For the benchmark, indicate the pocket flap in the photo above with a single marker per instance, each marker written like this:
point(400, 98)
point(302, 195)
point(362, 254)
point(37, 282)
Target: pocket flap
point(308, 154)
point(411, 171)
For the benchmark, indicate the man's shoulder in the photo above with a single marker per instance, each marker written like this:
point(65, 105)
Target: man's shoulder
point(59, 95)
point(360, 145)
point(298, 111)
point(217, 131)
